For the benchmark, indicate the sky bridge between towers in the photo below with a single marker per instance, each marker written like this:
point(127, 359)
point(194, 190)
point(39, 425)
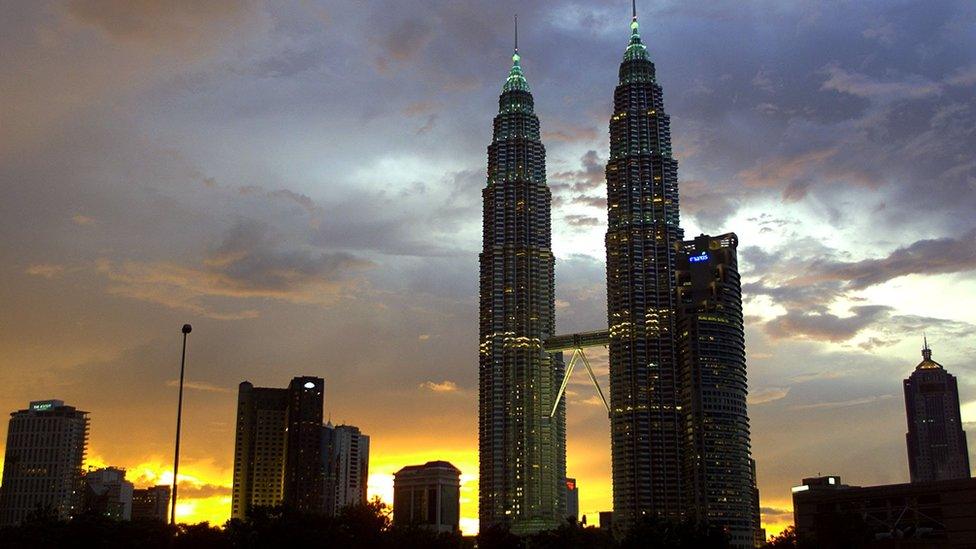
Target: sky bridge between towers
point(576, 343)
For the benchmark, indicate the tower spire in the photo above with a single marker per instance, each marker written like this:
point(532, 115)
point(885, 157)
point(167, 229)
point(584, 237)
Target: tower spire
point(633, 4)
point(926, 351)
point(516, 79)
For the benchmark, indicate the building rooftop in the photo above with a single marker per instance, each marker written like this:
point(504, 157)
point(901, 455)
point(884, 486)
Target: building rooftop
point(927, 362)
point(429, 465)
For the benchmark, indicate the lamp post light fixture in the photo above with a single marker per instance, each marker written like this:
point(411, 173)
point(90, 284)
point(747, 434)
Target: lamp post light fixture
point(179, 416)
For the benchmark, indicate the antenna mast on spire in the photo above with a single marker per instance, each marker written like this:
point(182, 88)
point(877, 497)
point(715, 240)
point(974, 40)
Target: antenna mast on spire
point(633, 5)
point(516, 33)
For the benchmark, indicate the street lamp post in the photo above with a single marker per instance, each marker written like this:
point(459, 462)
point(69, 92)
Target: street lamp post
point(179, 417)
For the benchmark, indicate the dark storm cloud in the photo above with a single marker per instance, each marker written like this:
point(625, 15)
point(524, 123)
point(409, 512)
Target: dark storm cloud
point(590, 176)
point(249, 259)
point(930, 256)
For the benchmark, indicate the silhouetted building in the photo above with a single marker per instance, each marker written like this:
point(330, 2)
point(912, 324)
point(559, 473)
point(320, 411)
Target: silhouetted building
point(151, 503)
point(830, 514)
point(572, 499)
point(718, 471)
point(606, 520)
point(642, 230)
point(760, 532)
point(937, 448)
point(522, 450)
point(428, 495)
point(277, 455)
point(107, 493)
point(45, 450)
point(345, 462)
point(303, 455)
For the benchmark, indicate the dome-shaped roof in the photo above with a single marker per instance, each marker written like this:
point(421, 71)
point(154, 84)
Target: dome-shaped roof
point(927, 362)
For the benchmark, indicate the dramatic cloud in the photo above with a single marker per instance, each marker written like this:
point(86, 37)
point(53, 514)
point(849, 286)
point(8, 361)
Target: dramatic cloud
point(303, 184)
point(825, 326)
point(926, 257)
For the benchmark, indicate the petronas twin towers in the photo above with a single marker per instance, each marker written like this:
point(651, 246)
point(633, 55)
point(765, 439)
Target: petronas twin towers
point(522, 425)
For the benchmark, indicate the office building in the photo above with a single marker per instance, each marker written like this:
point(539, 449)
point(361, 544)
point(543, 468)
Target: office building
point(937, 448)
point(830, 514)
point(428, 496)
point(303, 454)
point(572, 500)
point(277, 454)
point(522, 450)
point(642, 230)
point(151, 504)
point(345, 462)
point(45, 450)
point(718, 471)
point(107, 493)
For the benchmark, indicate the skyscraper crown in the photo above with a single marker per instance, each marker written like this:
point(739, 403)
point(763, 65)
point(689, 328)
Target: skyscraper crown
point(927, 362)
point(516, 79)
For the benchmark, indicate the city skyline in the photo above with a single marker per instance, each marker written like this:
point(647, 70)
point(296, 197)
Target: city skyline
point(244, 183)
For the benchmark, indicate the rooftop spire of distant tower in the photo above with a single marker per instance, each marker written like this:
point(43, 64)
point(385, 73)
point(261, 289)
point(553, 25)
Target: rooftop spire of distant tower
point(927, 362)
point(516, 78)
point(636, 49)
point(516, 34)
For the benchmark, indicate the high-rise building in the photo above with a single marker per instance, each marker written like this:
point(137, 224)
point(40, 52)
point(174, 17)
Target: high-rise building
point(151, 503)
point(642, 230)
point(345, 462)
point(522, 449)
point(718, 478)
point(45, 450)
point(428, 495)
point(259, 449)
point(303, 455)
point(937, 448)
point(572, 500)
point(107, 493)
point(277, 454)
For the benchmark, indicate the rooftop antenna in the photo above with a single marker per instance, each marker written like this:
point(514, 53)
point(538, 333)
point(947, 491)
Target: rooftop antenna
point(516, 33)
point(925, 342)
point(633, 5)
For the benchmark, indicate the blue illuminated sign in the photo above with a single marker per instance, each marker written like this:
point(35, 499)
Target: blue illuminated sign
point(699, 258)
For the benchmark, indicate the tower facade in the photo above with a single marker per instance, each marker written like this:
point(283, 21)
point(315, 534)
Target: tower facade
point(642, 217)
point(937, 448)
point(428, 496)
point(303, 457)
point(345, 460)
point(718, 471)
point(277, 452)
point(46, 445)
point(522, 450)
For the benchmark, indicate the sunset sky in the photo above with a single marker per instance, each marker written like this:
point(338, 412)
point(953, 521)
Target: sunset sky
point(302, 182)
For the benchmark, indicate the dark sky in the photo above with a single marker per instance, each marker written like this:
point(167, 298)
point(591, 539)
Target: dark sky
point(302, 182)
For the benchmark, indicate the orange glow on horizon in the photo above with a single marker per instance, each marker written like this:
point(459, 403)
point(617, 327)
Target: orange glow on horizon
point(205, 480)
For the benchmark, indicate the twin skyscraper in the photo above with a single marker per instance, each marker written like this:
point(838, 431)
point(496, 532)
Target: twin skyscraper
point(679, 426)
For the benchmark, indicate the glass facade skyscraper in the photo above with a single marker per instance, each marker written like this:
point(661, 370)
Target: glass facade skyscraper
point(718, 471)
point(642, 216)
point(522, 450)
